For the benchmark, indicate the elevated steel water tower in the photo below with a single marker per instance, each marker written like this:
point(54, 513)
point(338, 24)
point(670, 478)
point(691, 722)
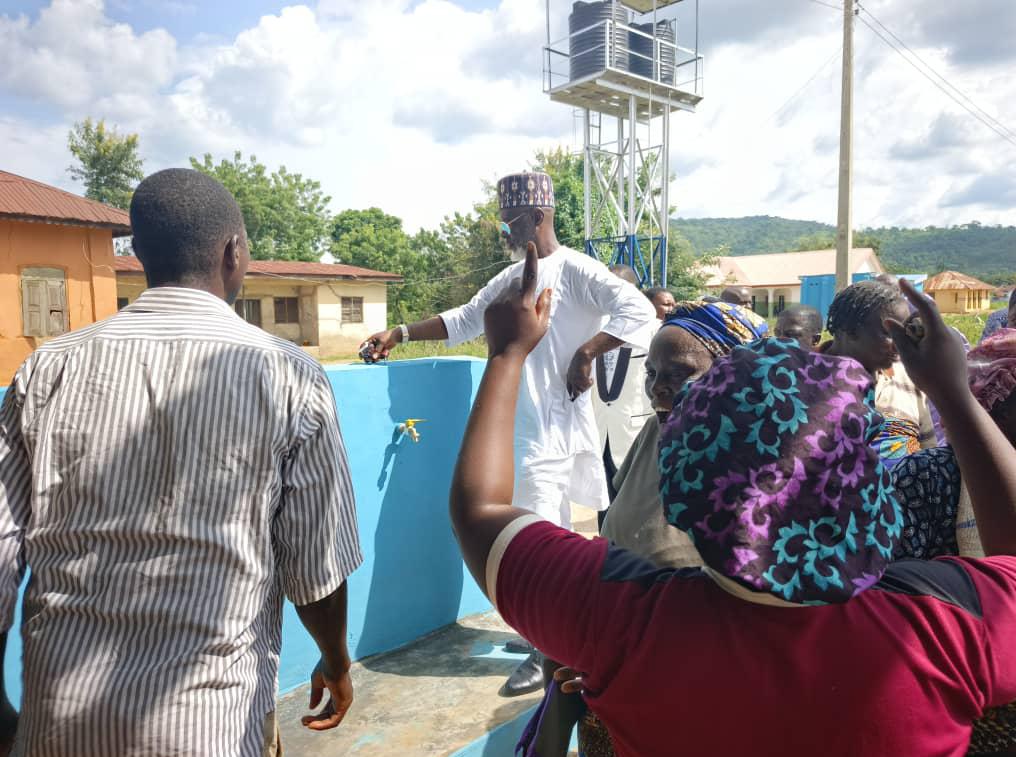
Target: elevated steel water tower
point(622, 67)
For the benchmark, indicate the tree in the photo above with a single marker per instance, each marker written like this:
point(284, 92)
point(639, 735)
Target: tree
point(286, 215)
point(687, 273)
point(108, 162)
point(565, 170)
point(373, 239)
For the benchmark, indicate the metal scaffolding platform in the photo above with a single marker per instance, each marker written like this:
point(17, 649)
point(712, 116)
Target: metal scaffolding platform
point(626, 76)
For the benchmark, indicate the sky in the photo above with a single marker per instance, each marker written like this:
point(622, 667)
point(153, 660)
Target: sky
point(411, 105)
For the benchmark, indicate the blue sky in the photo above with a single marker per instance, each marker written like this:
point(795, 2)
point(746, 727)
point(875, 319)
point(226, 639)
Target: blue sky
point(190, 19)
point(411, 105)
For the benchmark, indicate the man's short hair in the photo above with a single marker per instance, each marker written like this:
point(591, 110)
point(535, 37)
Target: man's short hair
point(651, 292)
point(736, 295)
point(181, 218)
point(809, 316)
point(625, 272)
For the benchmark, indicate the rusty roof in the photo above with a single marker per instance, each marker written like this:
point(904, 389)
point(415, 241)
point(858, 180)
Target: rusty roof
point(27, 200)
point(289, 269)
point(954, 280)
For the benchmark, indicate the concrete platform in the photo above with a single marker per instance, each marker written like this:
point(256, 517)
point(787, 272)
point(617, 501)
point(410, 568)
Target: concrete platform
point(433, 698)
point(430, 699)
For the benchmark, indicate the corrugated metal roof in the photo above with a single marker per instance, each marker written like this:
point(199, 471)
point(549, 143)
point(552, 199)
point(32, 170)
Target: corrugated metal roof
point(954, 280)
point(30, 200)
point(284, 268)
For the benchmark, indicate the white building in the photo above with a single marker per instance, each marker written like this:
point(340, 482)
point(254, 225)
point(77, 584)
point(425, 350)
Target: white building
point(775, 279)
point(328, 308)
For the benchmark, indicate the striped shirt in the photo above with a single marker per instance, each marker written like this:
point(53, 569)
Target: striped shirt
point(167, 475)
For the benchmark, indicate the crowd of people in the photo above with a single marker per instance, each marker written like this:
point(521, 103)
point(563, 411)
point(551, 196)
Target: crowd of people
point(808, 546)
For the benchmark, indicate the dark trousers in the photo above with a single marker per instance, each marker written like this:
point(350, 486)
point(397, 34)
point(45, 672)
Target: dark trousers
point(611, 470)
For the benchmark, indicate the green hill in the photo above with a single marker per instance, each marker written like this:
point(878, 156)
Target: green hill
point(988, 252)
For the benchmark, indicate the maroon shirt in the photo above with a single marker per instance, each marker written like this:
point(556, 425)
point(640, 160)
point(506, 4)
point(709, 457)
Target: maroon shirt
point(677, 665)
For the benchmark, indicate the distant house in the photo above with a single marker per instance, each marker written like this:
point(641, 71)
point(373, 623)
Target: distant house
point(956, 292)
point(328, 308)
point(775, 279)
point(56, 257)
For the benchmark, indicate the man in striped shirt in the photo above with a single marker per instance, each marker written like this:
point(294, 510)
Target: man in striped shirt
point(169, 475)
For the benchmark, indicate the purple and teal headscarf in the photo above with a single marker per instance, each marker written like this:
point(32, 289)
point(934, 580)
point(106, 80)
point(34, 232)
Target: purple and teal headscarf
point(766, 462)
point(720, 326)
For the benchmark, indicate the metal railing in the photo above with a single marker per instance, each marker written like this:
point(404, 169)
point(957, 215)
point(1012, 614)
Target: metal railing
point(671, 64)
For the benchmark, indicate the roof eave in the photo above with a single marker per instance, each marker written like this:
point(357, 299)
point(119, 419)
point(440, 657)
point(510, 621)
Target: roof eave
point(119, 230)
point(316, 277)
point(323, 277)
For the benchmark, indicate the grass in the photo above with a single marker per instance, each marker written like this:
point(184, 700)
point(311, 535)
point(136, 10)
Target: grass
point(969, 325)
point(413, 350)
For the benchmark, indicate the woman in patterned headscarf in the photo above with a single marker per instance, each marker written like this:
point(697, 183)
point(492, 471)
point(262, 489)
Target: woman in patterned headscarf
point(695, 334)
point(938, 518)
point(690, 340)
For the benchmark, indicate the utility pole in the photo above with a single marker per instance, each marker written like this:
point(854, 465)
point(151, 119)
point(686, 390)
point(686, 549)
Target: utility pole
point(844, 218)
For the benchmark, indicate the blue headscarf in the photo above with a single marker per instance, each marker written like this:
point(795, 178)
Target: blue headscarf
point(720, 326)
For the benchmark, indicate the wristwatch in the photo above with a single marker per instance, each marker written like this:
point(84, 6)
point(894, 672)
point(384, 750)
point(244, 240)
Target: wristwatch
point(405, 332)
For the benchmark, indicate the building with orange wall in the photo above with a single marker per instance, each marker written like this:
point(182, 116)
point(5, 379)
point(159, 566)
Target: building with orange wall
point(56, 265)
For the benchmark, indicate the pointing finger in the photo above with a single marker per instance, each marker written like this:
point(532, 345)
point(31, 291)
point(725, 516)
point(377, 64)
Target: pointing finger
point(929, 313)
point(529, 273)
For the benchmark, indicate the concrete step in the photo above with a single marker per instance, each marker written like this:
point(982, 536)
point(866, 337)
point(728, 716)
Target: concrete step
point(433, 698)
point(430, 699)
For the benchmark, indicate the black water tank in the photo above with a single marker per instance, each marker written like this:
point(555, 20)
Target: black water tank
point(642, 51)
point(587, 51)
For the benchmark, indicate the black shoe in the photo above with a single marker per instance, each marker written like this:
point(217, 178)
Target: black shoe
point(526, 678)
point(518, 645)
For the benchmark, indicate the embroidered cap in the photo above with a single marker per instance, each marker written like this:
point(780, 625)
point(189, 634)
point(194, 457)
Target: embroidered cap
point(525, 190)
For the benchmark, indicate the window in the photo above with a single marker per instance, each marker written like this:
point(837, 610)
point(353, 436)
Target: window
point(352, 309)
point(122, 302)
point(782, 303)
point(287, 310)
point(43, 302)
point(249, 310)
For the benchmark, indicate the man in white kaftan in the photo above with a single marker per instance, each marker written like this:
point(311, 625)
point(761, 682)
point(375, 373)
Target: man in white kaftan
point(557, 447)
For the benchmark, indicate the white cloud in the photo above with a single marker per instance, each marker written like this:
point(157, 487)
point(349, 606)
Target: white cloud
point(73, 55)
point(411, 106)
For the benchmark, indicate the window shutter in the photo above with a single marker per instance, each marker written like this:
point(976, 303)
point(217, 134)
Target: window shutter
point(56, 302)
point(33, 293)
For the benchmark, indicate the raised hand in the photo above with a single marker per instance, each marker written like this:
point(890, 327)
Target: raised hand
point(931, 352)
point(517, 320)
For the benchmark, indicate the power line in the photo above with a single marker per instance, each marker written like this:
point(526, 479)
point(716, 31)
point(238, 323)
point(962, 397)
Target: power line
point(998, 128)
point(814, 76)
point(502, 263)
point(937, 75)
point(829, 5)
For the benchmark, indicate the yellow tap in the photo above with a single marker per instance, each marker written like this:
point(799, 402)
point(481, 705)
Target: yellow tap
point(409, 427)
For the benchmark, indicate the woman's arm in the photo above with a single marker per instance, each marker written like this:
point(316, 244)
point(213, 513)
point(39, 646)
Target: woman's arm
point(938, 365)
